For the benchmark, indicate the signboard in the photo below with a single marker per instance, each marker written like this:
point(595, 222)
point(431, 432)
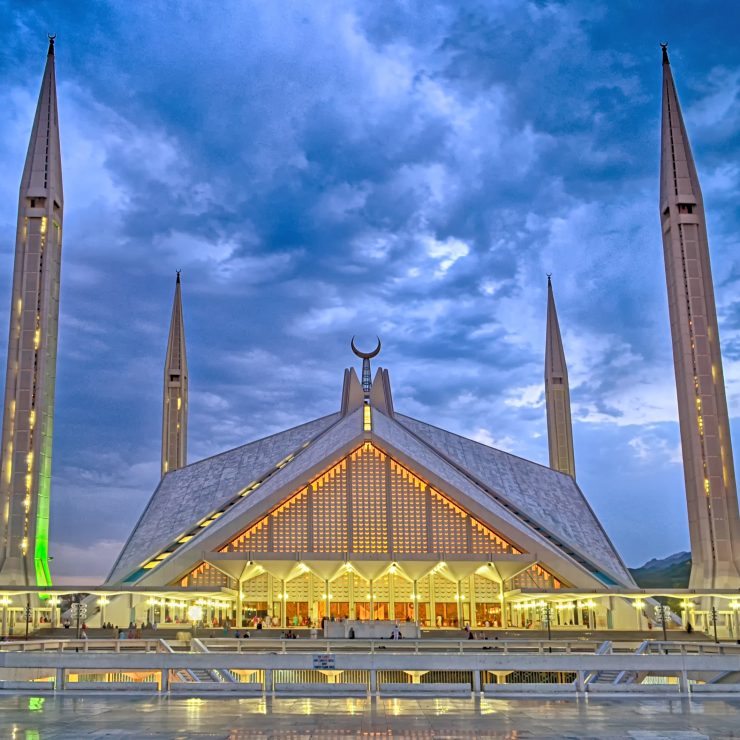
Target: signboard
point(324, 661)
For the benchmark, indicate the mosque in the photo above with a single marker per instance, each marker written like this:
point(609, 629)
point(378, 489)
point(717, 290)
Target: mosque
point(366, 514)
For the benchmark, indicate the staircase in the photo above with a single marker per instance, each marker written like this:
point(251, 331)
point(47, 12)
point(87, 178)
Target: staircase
point(615, 678)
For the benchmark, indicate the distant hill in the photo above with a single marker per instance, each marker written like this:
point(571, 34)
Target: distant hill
point(670, 572)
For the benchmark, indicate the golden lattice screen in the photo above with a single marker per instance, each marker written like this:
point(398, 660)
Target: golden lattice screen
point(369, 503)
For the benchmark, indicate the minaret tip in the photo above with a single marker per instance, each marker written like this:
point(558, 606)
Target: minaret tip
point(178, 277)
point(549, 278)
point(664, 47)
point(52, 38)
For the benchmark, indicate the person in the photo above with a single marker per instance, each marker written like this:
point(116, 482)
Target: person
point(83, 634)
point(471, 634)
point(351, 633)
point(259, 624)
point(689, 628)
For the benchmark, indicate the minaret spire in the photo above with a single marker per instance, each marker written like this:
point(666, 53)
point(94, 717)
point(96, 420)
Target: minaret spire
point(709, 475)
point(557, 394)
point(28, 411)
point(175, 401)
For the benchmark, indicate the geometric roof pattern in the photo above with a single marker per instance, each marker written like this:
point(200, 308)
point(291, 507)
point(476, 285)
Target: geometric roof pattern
point(553, 500)
point(188, 495)
point(202, 507)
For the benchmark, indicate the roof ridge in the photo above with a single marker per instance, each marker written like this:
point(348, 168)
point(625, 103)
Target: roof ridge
point(255, 441)
point(514, 508)
point(488, 447)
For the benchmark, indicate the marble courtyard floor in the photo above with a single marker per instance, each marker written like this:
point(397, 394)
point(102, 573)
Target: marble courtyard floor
point(93, 716)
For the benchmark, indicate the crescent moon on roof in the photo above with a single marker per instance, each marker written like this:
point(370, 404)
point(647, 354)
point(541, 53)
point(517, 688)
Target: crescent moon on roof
point(365, 355)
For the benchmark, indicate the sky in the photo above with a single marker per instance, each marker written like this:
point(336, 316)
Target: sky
point(411, 170)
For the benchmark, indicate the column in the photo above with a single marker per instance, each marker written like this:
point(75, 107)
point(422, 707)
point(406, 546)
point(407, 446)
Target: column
point(283, 604)
point(239, 617)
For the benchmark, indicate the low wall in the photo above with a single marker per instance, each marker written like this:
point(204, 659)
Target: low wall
point(632, 688)
point(376, 630)
point(209, 687)
point(715, 688)
point(321, 689)
point(27, 685)
point(425, 689)
point(111, 686)
point(528, 688)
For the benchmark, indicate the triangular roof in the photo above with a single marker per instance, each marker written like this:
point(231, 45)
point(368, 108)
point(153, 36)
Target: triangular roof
point(186, 496)
point(541, 511)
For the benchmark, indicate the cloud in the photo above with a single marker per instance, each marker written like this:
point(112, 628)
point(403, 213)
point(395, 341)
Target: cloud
point(342, 169)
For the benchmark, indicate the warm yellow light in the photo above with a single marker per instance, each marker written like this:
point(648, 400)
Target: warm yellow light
point(367, 421)
point(195, 613)
point(185, 539)
point(150, 565)
point(43, 224)
point(638, 603)
point(102, 601)
point(5, 601)
point(735, 605)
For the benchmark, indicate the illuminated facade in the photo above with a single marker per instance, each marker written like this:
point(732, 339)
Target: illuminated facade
point(711, 494)
point(28, 412)
point(175, 396)
point(368, 514)
point(557, 394)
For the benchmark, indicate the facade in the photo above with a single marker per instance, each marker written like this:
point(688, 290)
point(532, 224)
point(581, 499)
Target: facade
point(557, 394)
point(175, 395)
point(369, 514)
point(28, 411)
point(709, 474)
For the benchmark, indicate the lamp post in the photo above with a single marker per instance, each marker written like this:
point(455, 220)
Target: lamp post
point(27, 614)
point(546, 614)
point(713, 617)
point(660, 614)
point(79, 612)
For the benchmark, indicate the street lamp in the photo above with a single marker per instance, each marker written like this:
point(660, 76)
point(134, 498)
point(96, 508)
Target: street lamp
point(714, 614)
point(546, 613)
point(661, 615)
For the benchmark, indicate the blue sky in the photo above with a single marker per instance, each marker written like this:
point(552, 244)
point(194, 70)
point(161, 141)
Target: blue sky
point(412, 170)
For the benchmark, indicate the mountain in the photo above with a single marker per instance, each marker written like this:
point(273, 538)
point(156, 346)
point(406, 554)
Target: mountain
point(670, 572)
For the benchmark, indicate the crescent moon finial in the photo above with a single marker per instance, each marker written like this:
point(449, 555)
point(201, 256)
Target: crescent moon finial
point(365, 355)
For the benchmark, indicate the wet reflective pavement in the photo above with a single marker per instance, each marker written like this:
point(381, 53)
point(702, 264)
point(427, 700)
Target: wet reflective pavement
point(24, 717)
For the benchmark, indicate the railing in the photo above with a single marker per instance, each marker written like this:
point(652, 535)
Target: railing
point(84, 646)
point(504, 647)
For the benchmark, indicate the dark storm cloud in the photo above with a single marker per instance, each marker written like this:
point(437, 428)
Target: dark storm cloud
point(408, 170)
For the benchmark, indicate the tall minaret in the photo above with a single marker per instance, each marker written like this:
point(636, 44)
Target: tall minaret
point(28, 411)
point(175, 404)
point(711, 496)
point(557, 394)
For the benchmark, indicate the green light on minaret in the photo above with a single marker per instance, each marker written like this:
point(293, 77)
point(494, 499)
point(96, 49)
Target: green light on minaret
point(41, 545)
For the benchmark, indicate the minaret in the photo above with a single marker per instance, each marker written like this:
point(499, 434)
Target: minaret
point(28, 411)
point(175, 404)
point(557, 394)
point(711, 496)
